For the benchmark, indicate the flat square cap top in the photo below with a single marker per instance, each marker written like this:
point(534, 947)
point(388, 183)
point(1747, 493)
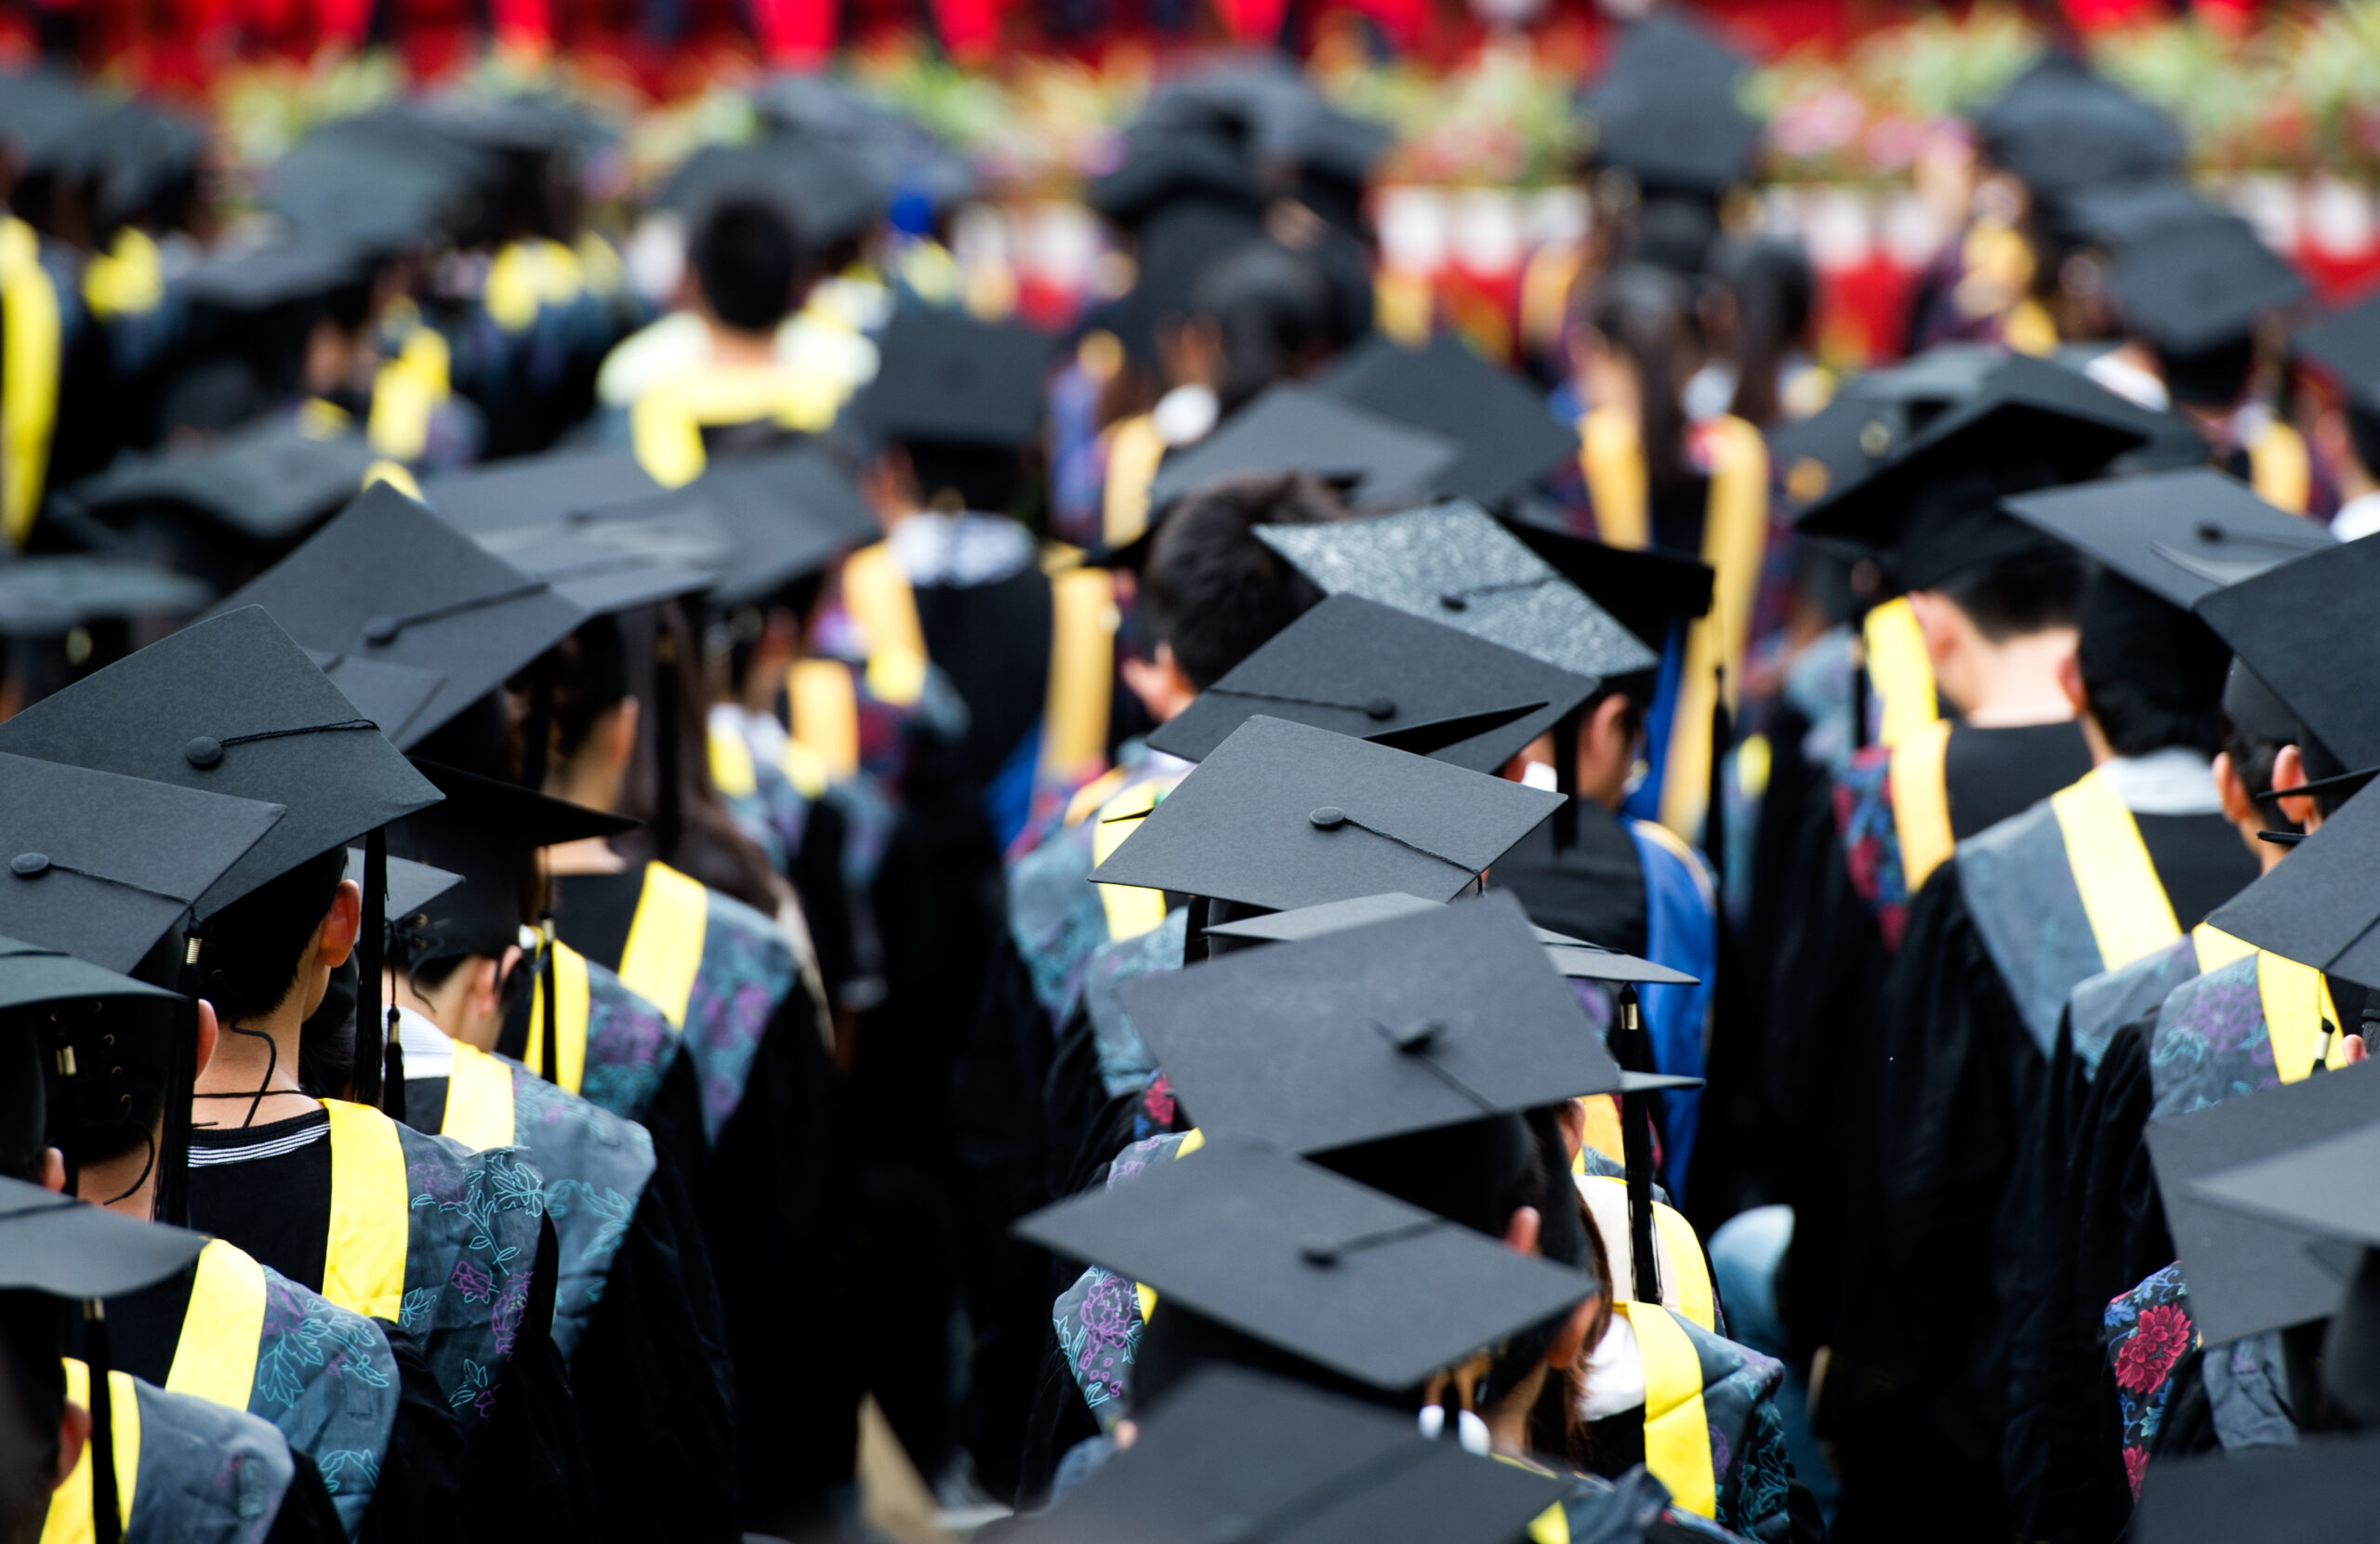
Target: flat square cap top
point(1448, 1015)
point(1570, 956)
point(231, 705)
point(946, 378)
point(1381, 461)
point(1283, 816)
point(102, 866)
point(1293, 1255)
point(2248, 1270)
point(536, 490)
point(2322, 907)
point(2346, 343)
point(1505, 437)
point(72, 1249)
point(388, 582)
point(1363, 670)
point(2309, 1185)
point(2195, 286)
point(47, 595)
point(267, 480)
point(1666, 109)
point(31, 975)
point(2180, 535)
point(392, 695)
point(2324, 1488)
point(2301, 626)
point(1231, 1455)
point(1453, 564)
point(411, 885)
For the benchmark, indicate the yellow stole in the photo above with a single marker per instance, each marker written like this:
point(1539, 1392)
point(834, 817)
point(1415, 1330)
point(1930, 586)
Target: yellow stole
point(665, 947)
point(29, 368)
point(69, 1504)
point(665, 424)
point(1922, 802)
point(364, 1267)
point(1082, 667)
point(215, 1358)
point(1134, 448)
point(2121, 895)
point(478, 1098)
point(1677, 1432)
point(2280, 468)
point(570, 1009)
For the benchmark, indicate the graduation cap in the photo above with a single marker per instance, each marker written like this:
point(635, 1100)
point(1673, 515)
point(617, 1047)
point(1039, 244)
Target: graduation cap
point(2322, 907)
point(388, 582)
point(2346, 343)
point(1446, 1015)
point(35, 976)
point(1666, 108)
point(1379, 462)
point(1453, 564)
point(618, 565)
point(1363, 670)
point(1164, 166)
point(1283, 814)
point(104, 865)
point(2060, 127)
point(2180, 535)
point(1505, 436)
point(537, 490)
point(392, 695)
point(267, 480)
point(411, 885)
point(826, 193)
point(1573, 957)
point(49, 595)
point(1231, 1455)
point(63, 1248)
point(1648, 591)
point(2301, 626)
point(372, 198)
point(2320, 1488)
point(945, 379)
point(2247, 1263)
point(1290, 1254)
point(288, 273)
point(2118, 218)
point(2191, 288)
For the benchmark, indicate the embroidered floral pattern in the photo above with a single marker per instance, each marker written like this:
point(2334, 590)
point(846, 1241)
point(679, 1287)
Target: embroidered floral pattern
point(1098, 1319)
point(2211, 1043)
point(747, 968)
point(475, 1220)
point(2157, 1342)
point(595, 1166)
point(2148, 1331)
point(328, 1382)
point(629, 1042)
point(1863, 818)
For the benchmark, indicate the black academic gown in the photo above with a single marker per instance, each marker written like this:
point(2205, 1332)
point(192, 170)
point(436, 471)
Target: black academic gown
point(1931, 1277)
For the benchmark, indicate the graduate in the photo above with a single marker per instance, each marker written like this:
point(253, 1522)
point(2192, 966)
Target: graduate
point(234, 705)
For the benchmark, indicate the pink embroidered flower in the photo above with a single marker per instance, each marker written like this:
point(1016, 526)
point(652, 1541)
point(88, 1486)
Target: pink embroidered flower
point(2163, 1335)
point(474, 1284)
point(1159, 1100)
point(2136, 1464)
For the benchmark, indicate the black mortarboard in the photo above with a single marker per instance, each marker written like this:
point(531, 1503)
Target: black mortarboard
point(534, 490)
point(945, 379)
point(2251, 705)
point(2346, 343)
point(2302, 625)
point(367, 197)
point(1454, 564)
point(2180, 535)
point(392, 695)
point(1442, 1017)
point(387, 581)
point(267, 480)
point(2248, 1270)
point(1571, 956)
point(44, 596)
point(2320, 1489)
point(293, 272)
point(1666, 108)
point(1293, 1255)
point(2191, 288)
point(1161, 166)
point(1381, 462)
point(485, 831)
point(2122, 217)
point(1505, 436)
point(1283, 816)
point(2322, 907)
point(827, 191)
point(34, 975)
point(411, 885)
point(104, 865)
point(1648, 591)
point(1364, 670)
point(1231, 1455)
point(231, 705)
point(70, 1248)
point(2060, 126)
point(618, 565)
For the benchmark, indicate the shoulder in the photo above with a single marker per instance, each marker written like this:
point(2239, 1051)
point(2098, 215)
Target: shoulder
point(753, 933)
point(1666, 855)
point(2210, 1002)
point(546, 1107)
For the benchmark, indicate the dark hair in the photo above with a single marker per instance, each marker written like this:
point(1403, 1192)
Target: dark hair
point(2019, 596)
point(2253, 761)
point(2212, 377)
point(1647, 315)
point(1774, 291)
point(1275, 311)
point(953, 478)
point(2363, 433)
point(2154, 673)
point(250, 952)
point(1212, 588)
point(745, 259)
point(32, 1402)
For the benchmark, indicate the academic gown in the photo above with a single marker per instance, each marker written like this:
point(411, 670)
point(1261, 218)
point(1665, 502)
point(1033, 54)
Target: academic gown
point(753, 1089)
point(1996, 938)
point(1844, 910)
point(648, 1361)
point(525, 1475)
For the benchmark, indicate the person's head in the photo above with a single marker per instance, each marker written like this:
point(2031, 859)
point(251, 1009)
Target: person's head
point(1272, 315)
point(2213, 378)
point(746, 263)
point(269, 953)
point(41, 1434)
point(594, 727)
point(1610, 727)
point(2265, 748)
point(2146, 675)
point(1212, 592)
point(947, 477)
point(1634, 347)
point(107, 1121)
point(2348, 435)
point(1976, 617)
point(1765, 297)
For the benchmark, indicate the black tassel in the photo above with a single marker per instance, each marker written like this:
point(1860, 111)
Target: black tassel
point(393, 1070)
point(1636, 1146)
point(370, 943)
point(173, 1141)
point(1566, 778)
point(107, 1522)
point(549, 1051)
point(1714, 816)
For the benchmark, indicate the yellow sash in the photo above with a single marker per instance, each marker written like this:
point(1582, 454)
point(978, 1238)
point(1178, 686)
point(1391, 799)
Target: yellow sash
point(1082, 671)
point(826, 715)
point(526, 276)
point(29, 367)
point(1899, 672)
point(876, 595)
point(2215, 948)
point(1613, 464)
point(215, 1358)
point(1677, 1434)
point(2280, 469)
point(2296, 1000)
point(732, 772)
point(2121, 895)
point(1678, 1261)
point(406, 392)
point(128, 279)
point(1922, 802)
point(665, 947)
point(1131, 911)
point(570, 1012)
point(665, 424)
point(479, 1097)
point(364, 1268)
point(1603, 1132)
point(69, 1504)
point(1134, 448)
point(1735, 534)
